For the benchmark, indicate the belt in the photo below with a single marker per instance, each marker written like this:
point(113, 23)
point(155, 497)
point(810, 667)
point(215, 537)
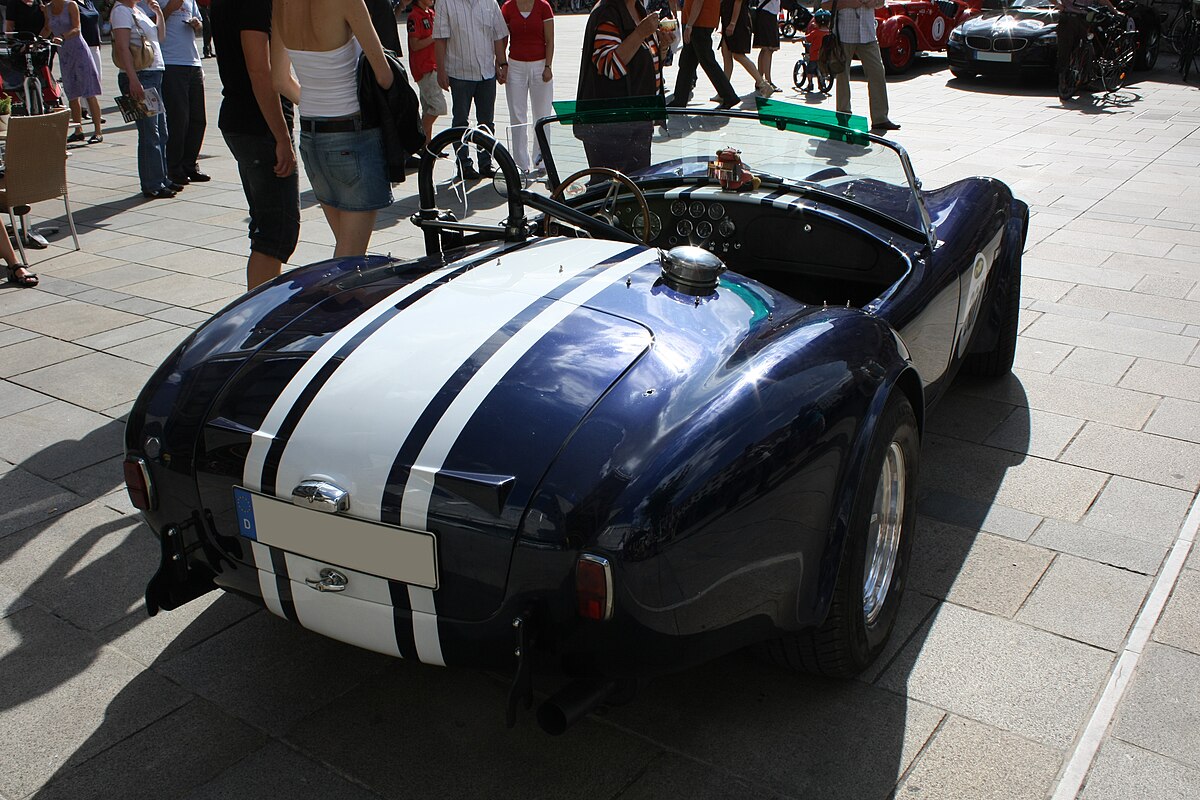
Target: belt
point(321, 125)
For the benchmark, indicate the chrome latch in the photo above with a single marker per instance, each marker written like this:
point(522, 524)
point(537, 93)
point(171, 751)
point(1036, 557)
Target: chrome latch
point(330, 581)
point(321, 496)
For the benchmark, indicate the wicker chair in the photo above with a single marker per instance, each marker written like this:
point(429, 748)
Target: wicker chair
point(36, 166)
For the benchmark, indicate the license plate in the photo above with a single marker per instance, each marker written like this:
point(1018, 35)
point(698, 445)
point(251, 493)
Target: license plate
point(985, 56)
point(390, 552)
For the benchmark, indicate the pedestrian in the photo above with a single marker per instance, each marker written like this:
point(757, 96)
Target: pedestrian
point(700, 19)
point(530, 76)
point(344, 161)
point(856, 31)
point(470, 40)
point(183, 92)
point(89, 29)
point(383, 20)
point(736, 27)
point(422, 61)
point(206, 22)
point(18, 273)
point(766, 38)
point(256, 124)
point(131, 25)
point(622, 46)
point(81, 79)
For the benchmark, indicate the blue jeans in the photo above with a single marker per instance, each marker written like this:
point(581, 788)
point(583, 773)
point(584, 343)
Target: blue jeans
point(152, 134)
point(483, 93)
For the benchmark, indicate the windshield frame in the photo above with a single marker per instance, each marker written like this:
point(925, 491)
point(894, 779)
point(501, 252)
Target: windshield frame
point(781, 123)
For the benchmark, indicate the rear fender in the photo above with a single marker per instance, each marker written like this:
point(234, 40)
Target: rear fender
point(890, 28)
point(992, 315)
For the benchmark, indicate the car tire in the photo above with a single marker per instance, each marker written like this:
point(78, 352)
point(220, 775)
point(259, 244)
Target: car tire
point(1147, 57)
point(998, 361)
point(899, 57)
point(874, 564)
point(962, 74)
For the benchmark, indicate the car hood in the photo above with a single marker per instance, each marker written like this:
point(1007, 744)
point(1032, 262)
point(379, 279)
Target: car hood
point(1025, 22)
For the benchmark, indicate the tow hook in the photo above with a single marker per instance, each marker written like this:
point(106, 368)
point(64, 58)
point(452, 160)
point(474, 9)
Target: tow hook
point(522, 685)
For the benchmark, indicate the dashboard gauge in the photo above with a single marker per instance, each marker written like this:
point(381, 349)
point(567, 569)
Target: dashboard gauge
point(679, 208)
point(704, 229)
point(696, 209)
point(716, 211)
point(726, 228)
point(655, 225)
point(684, 228)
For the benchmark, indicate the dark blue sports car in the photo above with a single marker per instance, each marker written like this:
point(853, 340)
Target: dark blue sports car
point(673, 410)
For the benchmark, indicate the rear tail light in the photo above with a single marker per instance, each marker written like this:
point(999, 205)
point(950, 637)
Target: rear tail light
point(137, 483)
point(594, 587)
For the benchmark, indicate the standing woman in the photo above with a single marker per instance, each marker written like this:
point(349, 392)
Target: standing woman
point(344, 161)
point(530, 53)
point(131, 25)
point(89, 29)
point(79, 75)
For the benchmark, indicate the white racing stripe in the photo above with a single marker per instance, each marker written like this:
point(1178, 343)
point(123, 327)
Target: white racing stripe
point(359, 420)
point(266, 578)
point(361, 616)
point(260, 441)
point(419, 489)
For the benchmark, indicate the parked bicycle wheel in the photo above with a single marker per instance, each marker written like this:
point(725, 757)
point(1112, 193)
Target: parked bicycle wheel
point(1072, 79)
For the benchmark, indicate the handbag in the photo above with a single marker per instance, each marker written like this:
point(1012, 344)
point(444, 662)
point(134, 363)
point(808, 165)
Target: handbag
point(141, 53)
point(831, 59)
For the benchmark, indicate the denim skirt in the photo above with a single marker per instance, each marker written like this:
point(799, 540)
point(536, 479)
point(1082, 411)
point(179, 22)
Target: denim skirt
point(347, 169)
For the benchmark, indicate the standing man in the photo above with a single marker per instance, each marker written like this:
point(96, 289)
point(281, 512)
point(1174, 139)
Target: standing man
point(257, 125)
point(856, 29)
point(700, 19)
point(183, 92)
point(470, 41)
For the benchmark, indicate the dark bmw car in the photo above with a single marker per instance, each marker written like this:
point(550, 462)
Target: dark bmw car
point(1021, 38)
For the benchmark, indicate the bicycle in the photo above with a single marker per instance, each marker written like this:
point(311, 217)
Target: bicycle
point(1105, 54)
point(30, 55)
point(808, 73)
point(1189, 49)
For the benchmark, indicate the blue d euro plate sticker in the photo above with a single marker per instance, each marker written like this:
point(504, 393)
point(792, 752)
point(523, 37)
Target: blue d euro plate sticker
point(244, 505)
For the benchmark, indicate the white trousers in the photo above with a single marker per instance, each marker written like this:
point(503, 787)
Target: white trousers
point(525, 84)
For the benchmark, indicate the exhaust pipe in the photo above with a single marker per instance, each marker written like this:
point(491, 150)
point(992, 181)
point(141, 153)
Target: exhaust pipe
point(572, 703)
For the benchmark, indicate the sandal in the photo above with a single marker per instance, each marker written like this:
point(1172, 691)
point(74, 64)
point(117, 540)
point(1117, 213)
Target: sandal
point(28, 280)
point(77, 136)
point(96, 138)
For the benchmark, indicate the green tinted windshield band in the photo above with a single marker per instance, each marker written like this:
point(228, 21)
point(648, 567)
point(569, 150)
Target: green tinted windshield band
point(613, 109)
point(812, 121)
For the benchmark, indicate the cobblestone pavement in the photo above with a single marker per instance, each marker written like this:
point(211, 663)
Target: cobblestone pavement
point(1055, 514)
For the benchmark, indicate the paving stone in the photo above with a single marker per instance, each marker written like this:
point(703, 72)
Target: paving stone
point(1122, 771)
point(12, 601)
point(89, 565)
point(1139, 510)
point(183, 290)
point(96, 381)
point(1164, 286)
point(1176, 419)
point(1061, 395)
point(966, 416)
point(284, 672)
point(169, 634)
point(915, 608)
point(1164, 309)
point(277, 771)
point(1086, 601)
point(1037, 433)
point(15, 398)
point(1161, 709)
point(181, 751)
point(1178, 624)
point(1100, 546)
point(71, 320)
point(974, 515)
point(10, 335)
point(975, 762)
point(97, 480)
point(29, 500)
point(129, 333)
point(1039, 355)
point(1001, 673)
point(16, 301)
point(1094, 366)
point(53, 671)
point(976, 570)
point(36, 352)
point(1159, 377)
point(1143, 456)
point(1078, 273)
point(181, 316)
point(153, 350)
point(988, 474)
point(1115, 338)
point(127, 274)
point(671, 775)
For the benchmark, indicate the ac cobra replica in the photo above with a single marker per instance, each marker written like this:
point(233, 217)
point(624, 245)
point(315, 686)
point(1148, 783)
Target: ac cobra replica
point(654, 417)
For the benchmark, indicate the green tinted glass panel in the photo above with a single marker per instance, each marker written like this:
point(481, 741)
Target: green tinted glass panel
point(813, 121)
point(616, 109)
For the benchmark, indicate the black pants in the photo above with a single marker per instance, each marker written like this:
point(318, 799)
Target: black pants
point(183, 100)
point(1071, 30)
point(207, 28)
point(698, 52)
point(624, 147)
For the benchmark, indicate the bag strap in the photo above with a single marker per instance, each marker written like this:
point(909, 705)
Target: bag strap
point(833, 27)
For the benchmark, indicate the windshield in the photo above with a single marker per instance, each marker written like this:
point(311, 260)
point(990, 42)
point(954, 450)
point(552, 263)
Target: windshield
point(785, 145)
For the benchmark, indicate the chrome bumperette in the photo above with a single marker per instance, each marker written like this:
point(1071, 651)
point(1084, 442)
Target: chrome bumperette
point(321, 496)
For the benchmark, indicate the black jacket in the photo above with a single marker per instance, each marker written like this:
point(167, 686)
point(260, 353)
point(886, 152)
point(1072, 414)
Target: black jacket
point(395, 110)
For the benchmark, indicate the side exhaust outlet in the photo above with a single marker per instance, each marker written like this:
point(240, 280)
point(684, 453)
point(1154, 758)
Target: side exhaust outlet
point(572, 703)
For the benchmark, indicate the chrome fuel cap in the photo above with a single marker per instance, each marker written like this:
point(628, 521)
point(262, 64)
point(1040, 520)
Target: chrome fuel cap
point(691, 270)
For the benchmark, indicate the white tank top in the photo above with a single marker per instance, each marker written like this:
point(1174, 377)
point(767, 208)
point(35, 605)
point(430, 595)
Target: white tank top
point(328, 80)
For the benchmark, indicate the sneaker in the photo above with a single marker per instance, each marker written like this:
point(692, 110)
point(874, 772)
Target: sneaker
point(487, 171)
point(468, 172)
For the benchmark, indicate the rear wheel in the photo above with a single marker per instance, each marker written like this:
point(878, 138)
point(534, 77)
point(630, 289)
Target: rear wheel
point(998, 361)
point(899, 57)
point(1070, 79)
point(874, 563)
point(1147, 57)
point(824, 79)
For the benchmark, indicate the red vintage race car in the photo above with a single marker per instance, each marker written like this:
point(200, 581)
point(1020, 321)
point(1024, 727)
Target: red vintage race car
point(907, 27)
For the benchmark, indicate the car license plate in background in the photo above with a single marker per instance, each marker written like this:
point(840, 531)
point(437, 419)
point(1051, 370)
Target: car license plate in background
point(371, 547)
point(985, 56)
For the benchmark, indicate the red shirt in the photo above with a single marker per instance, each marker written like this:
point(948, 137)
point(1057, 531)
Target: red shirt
point(420, 26)
point(527, 35)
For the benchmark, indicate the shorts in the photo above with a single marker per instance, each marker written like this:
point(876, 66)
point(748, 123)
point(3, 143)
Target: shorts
point(274, 202)
point(347, 169)
point(766, 30)
point(433, 99)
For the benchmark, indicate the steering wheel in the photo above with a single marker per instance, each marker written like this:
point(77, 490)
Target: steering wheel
point(608, 207)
